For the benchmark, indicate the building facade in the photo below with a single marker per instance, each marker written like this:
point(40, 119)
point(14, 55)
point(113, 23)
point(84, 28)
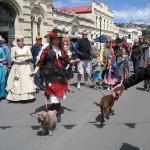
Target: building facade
point(103, 19)
point(25, 17)
point(133, 32)
point(99, 14)
point(71, 23)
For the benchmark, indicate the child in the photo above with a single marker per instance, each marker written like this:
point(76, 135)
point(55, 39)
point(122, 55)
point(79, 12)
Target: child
point(67, 55)
point(147, 82)
point(96, 70)
point(122, 65)
point(110, 74)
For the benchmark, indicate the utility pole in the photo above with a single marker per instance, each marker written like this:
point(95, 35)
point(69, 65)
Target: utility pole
point(100, 22)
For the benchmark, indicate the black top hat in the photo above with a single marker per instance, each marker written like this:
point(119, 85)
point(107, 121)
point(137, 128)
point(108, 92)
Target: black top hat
point(54, 33)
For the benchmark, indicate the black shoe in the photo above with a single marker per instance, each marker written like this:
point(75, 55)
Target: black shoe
point(58, 117)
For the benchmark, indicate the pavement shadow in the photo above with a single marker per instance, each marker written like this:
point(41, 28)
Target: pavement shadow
point(75, 84)
point(5, 127)
point(69, 126)
point(36, 127)
point(39, 133)
point(98, 120)
point(131, 125)
point(140, 88)
point(22, 101)
point(39, 109)
point(43, 108)
point(63, 108)
point(126, 146)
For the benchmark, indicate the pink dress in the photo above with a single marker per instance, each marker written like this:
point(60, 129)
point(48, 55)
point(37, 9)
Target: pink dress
point(109, 80)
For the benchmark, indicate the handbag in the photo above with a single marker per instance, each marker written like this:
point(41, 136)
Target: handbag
point(4, 62)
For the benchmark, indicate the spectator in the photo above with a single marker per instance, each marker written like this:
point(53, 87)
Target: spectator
point(83, 67)
point(35, 49)
point(122, 66)
point(7, 53)
point(67, 54)
point(73, 48)
point(136, 78)
point(121, 43)
point(147, 82)
point(145, 50)
point(93, 47)
point(110, 74)
point(96, 70)
point(19, 85)
point(107, 54)
point(136, 55)
point(108, 51)
point(126, 45)
point(117, 47)
point(2, 75)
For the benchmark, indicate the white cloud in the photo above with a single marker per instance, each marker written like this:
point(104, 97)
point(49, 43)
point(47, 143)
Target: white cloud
point(133, 14)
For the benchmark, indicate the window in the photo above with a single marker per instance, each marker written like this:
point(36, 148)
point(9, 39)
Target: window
point(5, 11)
point(129, 36)
point(39, 26)
point(32, 20)
point(96, 22)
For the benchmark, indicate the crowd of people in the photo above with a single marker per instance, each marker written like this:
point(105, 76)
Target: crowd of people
point(55, 63)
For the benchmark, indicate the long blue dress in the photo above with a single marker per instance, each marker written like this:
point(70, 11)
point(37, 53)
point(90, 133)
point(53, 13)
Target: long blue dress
point(2, 75)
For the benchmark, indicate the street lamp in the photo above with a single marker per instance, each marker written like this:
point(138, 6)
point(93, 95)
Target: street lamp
point(100, 22)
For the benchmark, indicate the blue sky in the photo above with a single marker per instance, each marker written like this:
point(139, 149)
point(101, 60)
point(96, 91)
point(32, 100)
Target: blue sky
point(137, 11)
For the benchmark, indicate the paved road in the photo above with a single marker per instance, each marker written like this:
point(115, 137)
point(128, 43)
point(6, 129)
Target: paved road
point(80, 128)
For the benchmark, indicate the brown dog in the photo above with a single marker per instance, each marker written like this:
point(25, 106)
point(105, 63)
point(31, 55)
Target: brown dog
point(106, 104)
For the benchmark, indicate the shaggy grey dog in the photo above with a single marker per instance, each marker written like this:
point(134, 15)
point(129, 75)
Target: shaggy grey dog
point(48, 121)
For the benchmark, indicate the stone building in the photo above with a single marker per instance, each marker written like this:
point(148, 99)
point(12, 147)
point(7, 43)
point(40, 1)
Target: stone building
point(133, 32)
point(26, 17)
point(71, 23)
point(99, 13)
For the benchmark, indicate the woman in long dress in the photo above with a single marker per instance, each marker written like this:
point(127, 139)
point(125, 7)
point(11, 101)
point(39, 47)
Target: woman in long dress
point(2, 75)
point(19, 85)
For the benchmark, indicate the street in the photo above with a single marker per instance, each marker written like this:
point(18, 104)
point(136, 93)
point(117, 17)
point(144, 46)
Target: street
point(128, 129)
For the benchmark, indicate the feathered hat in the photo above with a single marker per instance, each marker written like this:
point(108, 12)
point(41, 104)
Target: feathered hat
point(55, 33)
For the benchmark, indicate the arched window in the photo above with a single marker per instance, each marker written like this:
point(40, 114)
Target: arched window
point(32, 20)
point(91, 36)
point(96, 21)
point(39, 26)
point(5, 11)
point(7, 19)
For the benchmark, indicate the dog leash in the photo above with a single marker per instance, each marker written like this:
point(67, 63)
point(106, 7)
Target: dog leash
point(92, 81)
point(45, 99)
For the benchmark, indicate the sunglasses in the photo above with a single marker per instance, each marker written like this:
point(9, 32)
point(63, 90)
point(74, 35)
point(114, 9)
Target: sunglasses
point(85, 34)
point(20, 40)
